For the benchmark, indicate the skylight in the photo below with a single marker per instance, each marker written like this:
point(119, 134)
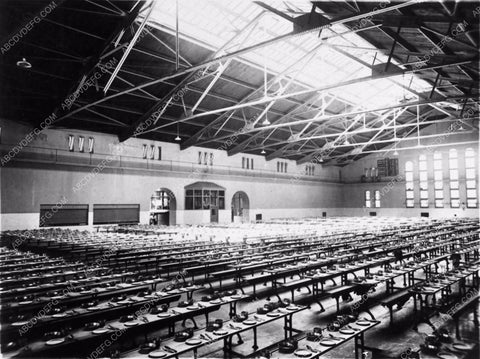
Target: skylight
point(215, 22)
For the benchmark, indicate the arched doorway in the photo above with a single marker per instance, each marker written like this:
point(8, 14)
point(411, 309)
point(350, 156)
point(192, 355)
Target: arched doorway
point(240, 207)
point(163, 207)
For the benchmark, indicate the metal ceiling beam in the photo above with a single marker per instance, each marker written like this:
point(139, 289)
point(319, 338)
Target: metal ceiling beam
point(73, 29)
point(451, 144)
point(190, 74)
point(91, 66)
point(237, 53)
point(129, 48)
point(194, 140)
point(377, 76)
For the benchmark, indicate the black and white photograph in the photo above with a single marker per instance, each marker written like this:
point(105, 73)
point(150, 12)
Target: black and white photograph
point(239, 179)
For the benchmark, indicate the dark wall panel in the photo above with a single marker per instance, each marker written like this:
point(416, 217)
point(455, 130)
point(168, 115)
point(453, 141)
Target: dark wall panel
point(63, 215)
point(116, 213)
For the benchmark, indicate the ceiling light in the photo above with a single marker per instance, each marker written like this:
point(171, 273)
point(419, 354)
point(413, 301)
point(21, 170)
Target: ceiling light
point(263, 152)
point(461, 128)
point(346, 143)
point(178, 138)
point(395, 153)
point(265, 122)
point(321, 160)
point(24, 64)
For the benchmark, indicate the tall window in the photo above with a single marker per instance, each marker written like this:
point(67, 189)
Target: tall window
point(453, 168)
point(423, 173)
point(368, 199)
point(409, 202)
point(470, 182)
point(438, 179)
point(377, 199)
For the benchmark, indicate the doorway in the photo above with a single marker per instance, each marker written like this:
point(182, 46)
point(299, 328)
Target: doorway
point(213, 215)
point(240, 207)
point(163, 207)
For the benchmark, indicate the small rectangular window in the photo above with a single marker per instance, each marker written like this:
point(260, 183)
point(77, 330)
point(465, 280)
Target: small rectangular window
point(152, 152)
point(470, 183)
point(243, 162)
point(286, 167)
point(471, 193)
point(409, 203)
point(91, 143)
point(248, 164)
point(159, 153)
point(81, 143)
point(454, 203)
point(471, 203)
point(71, 143)
point(144, 152)
point(199, 157)
point(211, 159)
point(205, 158)
point(470, 173)
point(251, 163)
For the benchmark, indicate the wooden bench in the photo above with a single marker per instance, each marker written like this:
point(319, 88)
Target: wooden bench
point(398, 299)
point(339, 291)
point(292, 286)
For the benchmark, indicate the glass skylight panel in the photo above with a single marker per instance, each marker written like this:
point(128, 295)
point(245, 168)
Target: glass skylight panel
point(215, 22)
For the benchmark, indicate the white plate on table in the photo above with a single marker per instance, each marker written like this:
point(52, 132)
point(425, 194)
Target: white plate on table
point(273, 314)
point(216, 301)
point(55, 341)
point(100, 331)
point(447, 355)
point(157, 354)
point(193, 341)
point(462, 346)
point(126, 301)
point(131, 323)
point(220, 332)
point(25, 302)
point(193, 307)
point(363, 323)
point(303, 353)
point(237, 296)
point(249, 322)
point(292, 307)
point(328, 342)
point(347, 331)
point(164, 315)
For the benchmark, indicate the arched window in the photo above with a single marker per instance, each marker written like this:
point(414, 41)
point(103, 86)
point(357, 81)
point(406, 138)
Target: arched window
point(470, 180)
point(453, 173)
point(160, 201)
point(409, 202)
point(438, 178)
point(423, 174)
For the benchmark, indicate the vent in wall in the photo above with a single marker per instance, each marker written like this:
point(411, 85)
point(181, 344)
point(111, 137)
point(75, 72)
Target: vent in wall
point(373, 214)
point(324, 214)
point(424, 214)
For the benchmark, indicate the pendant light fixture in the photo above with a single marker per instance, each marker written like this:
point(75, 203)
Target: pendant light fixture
point(178, 138)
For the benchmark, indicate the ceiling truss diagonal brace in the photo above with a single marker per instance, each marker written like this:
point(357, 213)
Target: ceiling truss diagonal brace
point(129, 48)
point(237, 53)
point(194, 140)
point(192, 74)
